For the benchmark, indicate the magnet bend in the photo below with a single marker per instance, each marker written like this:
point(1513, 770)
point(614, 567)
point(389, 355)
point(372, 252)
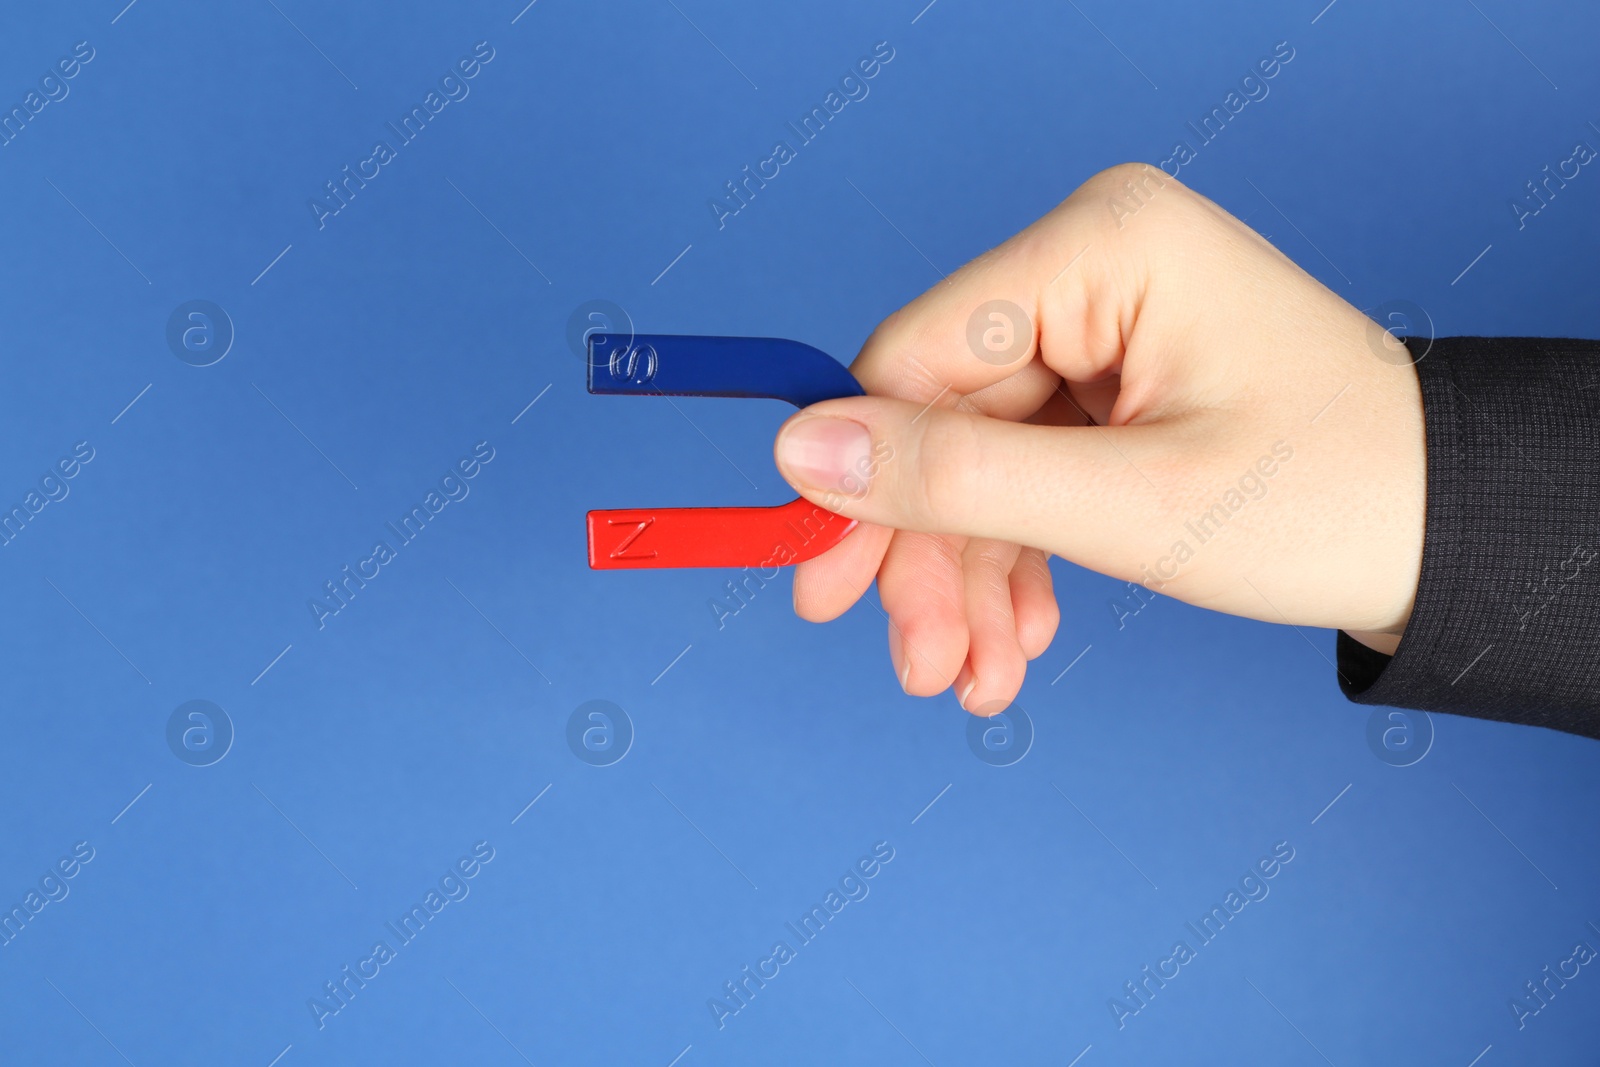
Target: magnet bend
point(671, 365)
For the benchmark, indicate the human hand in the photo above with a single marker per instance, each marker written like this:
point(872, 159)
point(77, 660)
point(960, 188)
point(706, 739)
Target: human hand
point(1182, 407)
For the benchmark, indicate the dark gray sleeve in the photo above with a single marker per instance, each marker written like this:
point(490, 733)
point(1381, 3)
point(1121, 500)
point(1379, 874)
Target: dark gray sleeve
point(1507, 618)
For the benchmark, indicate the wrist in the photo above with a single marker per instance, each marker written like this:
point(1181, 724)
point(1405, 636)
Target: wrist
point(1386, 643)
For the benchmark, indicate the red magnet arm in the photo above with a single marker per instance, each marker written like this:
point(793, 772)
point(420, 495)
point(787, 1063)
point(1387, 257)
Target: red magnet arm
point(713, 537)
point(665, 365)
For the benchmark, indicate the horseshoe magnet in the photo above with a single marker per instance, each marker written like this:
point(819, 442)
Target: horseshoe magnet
point(670, 365)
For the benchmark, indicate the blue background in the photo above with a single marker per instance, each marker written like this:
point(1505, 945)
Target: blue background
point(425, 716)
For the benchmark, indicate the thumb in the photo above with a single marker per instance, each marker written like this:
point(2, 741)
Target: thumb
point(1072, 491)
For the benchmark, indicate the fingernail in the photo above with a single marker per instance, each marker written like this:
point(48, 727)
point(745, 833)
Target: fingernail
point(897, 656)
point(962, 699)
point(820, 451)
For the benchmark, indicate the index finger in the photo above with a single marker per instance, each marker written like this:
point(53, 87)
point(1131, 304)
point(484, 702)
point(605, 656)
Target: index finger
point(987, 321)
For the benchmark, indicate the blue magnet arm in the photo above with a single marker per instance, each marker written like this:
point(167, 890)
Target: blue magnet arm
point(650, 364)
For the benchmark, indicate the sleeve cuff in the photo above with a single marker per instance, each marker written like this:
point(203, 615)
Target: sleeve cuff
point(1506, 623)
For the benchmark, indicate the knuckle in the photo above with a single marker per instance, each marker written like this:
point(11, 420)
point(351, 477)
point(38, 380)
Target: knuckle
point(942, 488)
point(1116, 181)
point(994, 583)
point(1111, 198)
point(990, 562)
point(1116, 174)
